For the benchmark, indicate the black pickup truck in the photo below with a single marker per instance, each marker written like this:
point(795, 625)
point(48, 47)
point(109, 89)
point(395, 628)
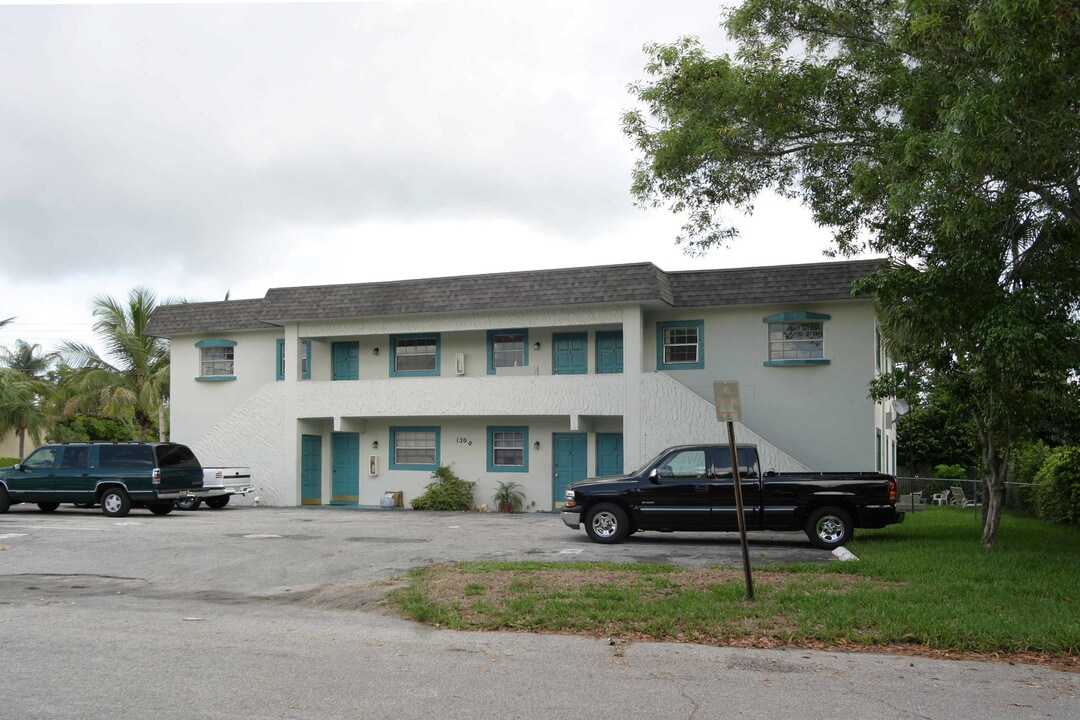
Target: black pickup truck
point(691, 488)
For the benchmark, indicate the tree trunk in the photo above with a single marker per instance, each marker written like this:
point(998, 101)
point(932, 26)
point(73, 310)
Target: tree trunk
point(993, 502)
point(21, 432)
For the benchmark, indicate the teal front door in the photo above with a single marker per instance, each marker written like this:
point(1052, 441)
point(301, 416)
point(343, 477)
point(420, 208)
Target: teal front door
point(609, 454)
point(571, 353)
point(311, 470)
point(345, 486)
point(346, 361)
point(571, 463)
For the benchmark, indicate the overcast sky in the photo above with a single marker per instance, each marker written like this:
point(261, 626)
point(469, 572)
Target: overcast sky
point(199, 149)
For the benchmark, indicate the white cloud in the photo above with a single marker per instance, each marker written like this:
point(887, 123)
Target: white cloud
point(196, 149)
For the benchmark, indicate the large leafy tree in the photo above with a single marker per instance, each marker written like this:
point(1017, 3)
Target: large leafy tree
point(942, 133)
point(131, 379)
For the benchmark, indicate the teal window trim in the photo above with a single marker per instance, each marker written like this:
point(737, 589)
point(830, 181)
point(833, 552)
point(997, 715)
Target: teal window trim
point(802, 362)
point(394, 430)
point(305, 361)
point(604, 368)
point(394, 372)
point(784, 345)
point(491, 466)
point(795, 316)
point(877, 458)
point(491, 347)
point(661, 327)
point(216, 355)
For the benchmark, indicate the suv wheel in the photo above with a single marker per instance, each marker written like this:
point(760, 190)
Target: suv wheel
point(48, 506)
point(115, 502)
point(606, 523)
point(5, 501)
point(161, 508)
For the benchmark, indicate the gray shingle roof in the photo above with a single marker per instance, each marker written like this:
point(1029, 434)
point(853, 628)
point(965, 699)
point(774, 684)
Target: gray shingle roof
point(641, 282)
point(169, 320)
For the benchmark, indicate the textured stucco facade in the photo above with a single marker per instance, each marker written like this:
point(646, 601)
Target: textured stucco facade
point(813, 416)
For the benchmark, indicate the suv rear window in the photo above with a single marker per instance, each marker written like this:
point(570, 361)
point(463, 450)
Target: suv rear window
point(176, 456)
point(125, 456)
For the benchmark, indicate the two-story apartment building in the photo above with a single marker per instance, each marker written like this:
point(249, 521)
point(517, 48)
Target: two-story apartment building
point(339, 394)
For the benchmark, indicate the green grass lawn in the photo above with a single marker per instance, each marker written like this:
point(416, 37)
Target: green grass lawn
point(924, 584)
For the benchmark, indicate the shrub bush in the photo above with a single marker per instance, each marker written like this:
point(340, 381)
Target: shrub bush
point(447, 492)
point(9, 461)
point(1058, 496)
point(950, 472)
point(1027, 460)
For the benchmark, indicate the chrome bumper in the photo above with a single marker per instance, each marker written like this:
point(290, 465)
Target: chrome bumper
point(571, 518)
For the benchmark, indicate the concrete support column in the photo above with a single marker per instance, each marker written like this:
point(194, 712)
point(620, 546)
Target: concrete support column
point(291, 429)
point(633, 367)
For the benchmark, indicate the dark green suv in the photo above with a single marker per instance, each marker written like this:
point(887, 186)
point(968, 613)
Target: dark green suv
point(118, 476)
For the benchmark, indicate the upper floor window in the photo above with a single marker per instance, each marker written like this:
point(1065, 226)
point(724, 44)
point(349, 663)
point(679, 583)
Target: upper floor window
point(216, 360)
point(507, 348)
point(796, 338)
point(680, 345)
point(414, 354)
point(305, 359)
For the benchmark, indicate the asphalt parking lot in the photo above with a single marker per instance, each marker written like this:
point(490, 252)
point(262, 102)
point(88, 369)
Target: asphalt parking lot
point(274, 613)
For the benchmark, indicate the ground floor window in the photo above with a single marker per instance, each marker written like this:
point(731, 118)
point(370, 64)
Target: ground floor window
point(508, 449)
point(414, 448)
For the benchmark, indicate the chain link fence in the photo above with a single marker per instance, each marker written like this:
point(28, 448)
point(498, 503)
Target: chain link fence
point(918, 493)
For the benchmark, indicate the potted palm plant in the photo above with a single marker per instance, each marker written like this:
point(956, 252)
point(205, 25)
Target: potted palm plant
point(509, 496)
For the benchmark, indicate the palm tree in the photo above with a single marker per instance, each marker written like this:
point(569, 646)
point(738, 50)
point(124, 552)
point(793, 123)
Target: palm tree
point(132, 378)
point(28, 359)
point(23, 389)
point(20, 406)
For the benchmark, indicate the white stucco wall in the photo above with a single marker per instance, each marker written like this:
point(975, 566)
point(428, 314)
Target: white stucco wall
point(814, 417)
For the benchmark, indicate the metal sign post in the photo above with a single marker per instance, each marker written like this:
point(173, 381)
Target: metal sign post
point(729, 410)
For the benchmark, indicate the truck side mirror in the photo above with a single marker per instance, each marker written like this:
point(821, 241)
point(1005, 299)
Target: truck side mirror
point(654, 476)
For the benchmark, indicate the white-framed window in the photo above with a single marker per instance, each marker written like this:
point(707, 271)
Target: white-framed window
point(796, 338)
point(680, 345)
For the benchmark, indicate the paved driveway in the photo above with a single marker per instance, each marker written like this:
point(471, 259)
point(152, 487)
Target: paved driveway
point(239, 613)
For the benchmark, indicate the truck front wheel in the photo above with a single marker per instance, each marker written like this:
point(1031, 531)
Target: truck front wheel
point(829, 528)
point(607, 523)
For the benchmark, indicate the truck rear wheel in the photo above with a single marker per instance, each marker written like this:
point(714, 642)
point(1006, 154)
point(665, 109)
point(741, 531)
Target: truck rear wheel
point(607, 523)
point(828, 528)
point(5, 501)
point(218, 502)
point(48, 506)
point(115, 502)
point(161, 508)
